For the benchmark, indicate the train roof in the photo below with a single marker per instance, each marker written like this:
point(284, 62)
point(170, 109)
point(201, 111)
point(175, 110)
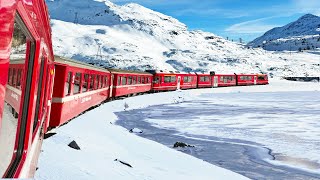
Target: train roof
point(119, 71)
point(169, 72)
point(75, 63)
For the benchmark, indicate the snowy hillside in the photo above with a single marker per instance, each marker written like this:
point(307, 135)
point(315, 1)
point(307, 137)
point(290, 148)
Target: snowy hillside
point(303, 34)
point(134, 37)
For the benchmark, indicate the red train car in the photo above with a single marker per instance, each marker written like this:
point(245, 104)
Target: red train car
point(187, 80)
point(206, 80)
point(225, 80)
point(170, 81)
point(126, 83)
point(26, 66)
point(246, 79)
point(78, 86)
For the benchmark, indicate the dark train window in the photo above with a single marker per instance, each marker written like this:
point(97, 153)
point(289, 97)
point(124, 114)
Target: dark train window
point(139, 80)
point(91, 82)
point(261, 77)
point(167, 79)
point(85, 83)
point(124, 80)
point(19, 79)
point(77, 83)
point(16, 113)
point(142, 80)
point(129, 80)
point(173, 79)
point(13, 77)
point(106, 80)
point(9, 76)
point(103, 81)
point(67, 89)
point(134, 80)
point(156, 80)
point(207, 79)
point(119, 80)
point(96, 82)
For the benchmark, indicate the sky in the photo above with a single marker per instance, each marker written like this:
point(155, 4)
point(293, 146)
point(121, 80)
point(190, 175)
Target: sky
point(233, 19)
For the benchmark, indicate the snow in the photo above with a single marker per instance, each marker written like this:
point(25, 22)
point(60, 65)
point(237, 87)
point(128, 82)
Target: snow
point(134, 37)
point(102, 142)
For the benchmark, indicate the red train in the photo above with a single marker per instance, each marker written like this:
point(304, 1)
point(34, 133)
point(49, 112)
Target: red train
point(38, 90)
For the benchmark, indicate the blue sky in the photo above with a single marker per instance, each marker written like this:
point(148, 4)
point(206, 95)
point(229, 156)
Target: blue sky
point(246, 19)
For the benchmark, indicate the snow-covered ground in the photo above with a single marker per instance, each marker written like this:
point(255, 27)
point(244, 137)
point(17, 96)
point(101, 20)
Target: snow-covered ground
point(102, 142)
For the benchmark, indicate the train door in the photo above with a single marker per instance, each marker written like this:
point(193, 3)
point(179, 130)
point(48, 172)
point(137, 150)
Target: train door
point(14, 127)
point(179, 82)
point(255, 80)
point(215, 81)
point(111, 85)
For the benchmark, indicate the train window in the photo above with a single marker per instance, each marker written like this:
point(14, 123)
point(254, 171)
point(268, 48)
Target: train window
point(96, 82)
point(77, 83)
point(260, 78)
point(13, 77)
point(207, 79)
point(119, 80)
point(67, 89)
point(202, 78)
point(11, 122)
point(167, 79)
point(85, 83)
point(91, 82)
point(139, 80)
point(9, 76)
point(185, 79)
point(40, 80)
point(19, 79)
point(173, 79)
point(124, 80)
point(129, 80)
point(134, 80)
point(156, 80)
point(103, 81)
point(107, 83)
point(142, 80)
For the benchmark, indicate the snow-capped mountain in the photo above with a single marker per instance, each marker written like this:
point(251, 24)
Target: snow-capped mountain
point(134, 37)
point(303, 34)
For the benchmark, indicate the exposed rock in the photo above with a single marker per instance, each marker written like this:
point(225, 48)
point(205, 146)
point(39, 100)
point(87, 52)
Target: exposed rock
point(124, 163)
point(74, 145)
point(181, 144)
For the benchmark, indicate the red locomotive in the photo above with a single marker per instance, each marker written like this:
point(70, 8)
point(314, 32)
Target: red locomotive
point(36, 92)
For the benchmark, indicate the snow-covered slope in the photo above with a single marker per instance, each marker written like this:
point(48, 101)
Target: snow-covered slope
point(134, 37)
point(303, 34)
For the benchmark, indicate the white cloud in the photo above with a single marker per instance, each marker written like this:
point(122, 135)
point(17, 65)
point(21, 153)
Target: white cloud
point(251, 27)
point(307, 6)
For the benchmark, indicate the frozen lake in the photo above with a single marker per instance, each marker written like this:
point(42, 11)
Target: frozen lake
point(273, 135)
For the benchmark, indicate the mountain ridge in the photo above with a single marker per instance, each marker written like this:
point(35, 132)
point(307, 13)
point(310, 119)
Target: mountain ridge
point(137, 38)
point(302, 34)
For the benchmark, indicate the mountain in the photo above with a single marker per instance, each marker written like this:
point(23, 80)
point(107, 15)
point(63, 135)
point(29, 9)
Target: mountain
point(137, 38)
point(303, 34)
